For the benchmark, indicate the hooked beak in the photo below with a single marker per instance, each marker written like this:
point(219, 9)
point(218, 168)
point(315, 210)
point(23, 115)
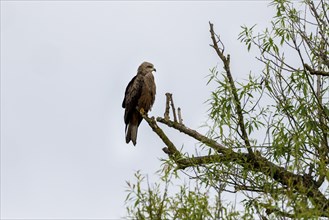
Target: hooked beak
point(154, 69)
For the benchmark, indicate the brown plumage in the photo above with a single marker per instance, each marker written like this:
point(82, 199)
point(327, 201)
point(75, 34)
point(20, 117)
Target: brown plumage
point(140, 94)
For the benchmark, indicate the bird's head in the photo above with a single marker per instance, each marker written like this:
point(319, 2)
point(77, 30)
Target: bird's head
point(145, 68)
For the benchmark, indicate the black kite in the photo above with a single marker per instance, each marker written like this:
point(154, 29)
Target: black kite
point(140, 94)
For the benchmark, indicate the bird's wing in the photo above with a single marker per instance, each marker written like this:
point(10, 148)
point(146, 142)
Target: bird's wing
point(132, 95)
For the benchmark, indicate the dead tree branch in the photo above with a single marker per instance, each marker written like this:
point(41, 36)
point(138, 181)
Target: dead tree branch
point(170, 102)
point(171, 149)
point(179, 112)
point(166, 114)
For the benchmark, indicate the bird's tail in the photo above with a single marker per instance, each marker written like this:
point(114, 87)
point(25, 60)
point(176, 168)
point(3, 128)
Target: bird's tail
point(131, 133)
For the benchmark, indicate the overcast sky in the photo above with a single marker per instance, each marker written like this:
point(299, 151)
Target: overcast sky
point(64, 70)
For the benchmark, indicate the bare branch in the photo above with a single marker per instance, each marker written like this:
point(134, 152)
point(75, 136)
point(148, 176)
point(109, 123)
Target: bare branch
point(171, 150)
point(196, 135)
point(166, 114)
point(180, 119)
point(171, 101)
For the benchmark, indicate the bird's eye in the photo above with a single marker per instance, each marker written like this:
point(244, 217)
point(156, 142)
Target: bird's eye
point(149, 67)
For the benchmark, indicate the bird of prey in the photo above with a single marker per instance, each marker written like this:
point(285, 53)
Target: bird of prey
point(139, 94)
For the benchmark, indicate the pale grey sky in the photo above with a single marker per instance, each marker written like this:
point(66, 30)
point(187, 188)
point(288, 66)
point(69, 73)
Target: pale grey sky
point(64, 69)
